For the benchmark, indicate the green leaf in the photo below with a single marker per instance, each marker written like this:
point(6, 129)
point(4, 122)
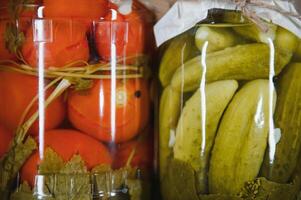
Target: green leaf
point(22, 196)
point(24, 192)
point(75, 166)
point(12, 162)
point(25, 187)
point(179, 182)
point(218, 197)
point(80, 84)
point(101, 169)
point(262, 189)
point(69, 180)
point(135, 189)
point(52, 162)
point(70, 186)
point(13, 37)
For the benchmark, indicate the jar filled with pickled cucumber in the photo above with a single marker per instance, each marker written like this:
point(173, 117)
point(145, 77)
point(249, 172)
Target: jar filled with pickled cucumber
point(230, 114)
point(75, 100)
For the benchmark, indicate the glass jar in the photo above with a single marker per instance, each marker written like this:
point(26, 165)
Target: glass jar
point(76, 117)
point(230, 111)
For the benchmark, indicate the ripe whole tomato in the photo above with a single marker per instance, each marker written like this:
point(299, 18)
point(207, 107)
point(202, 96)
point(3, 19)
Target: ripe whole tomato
point(6, 138)
point(17, 91)
point(119, 36)
point(92, 9)
point(109, 114)
point(66, 42)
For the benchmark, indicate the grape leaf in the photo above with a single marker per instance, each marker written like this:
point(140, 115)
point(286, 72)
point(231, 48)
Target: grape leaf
point(13, 37)
point(61, 180)
point(135, 188)
point(23, 193)
point(75, 166)
point(12, 162)
point(101, 169)
point(71, 180)
point(52, 163)
point(218, 197)
point(262, 189)
point(179, 182)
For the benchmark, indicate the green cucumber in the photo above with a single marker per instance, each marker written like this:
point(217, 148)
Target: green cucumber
point(243, 62)
point(189, 135)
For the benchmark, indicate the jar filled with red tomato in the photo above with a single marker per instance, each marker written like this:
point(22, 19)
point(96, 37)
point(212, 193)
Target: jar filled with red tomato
point(75, 100)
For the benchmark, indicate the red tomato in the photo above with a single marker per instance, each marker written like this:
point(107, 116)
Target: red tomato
point(6, 138)
point(149, 19)
point(69, 44)
point(3, 3)
point(143, 156)
point(3, 11)
point(91, 112)
point(67, 143)
point(29, 10)
point(17, 91)
point(126, 32)
point(91, 9)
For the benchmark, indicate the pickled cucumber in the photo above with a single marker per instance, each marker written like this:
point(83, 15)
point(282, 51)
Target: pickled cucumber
point(191, 145)
point(286, 40)
point(297, 55)
point(243, 62)
point(170, 107)
point(180, 49)
point(296, 177)
point(218, 38)
point(254, 33)
point(241, 140)
point(288, 119)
